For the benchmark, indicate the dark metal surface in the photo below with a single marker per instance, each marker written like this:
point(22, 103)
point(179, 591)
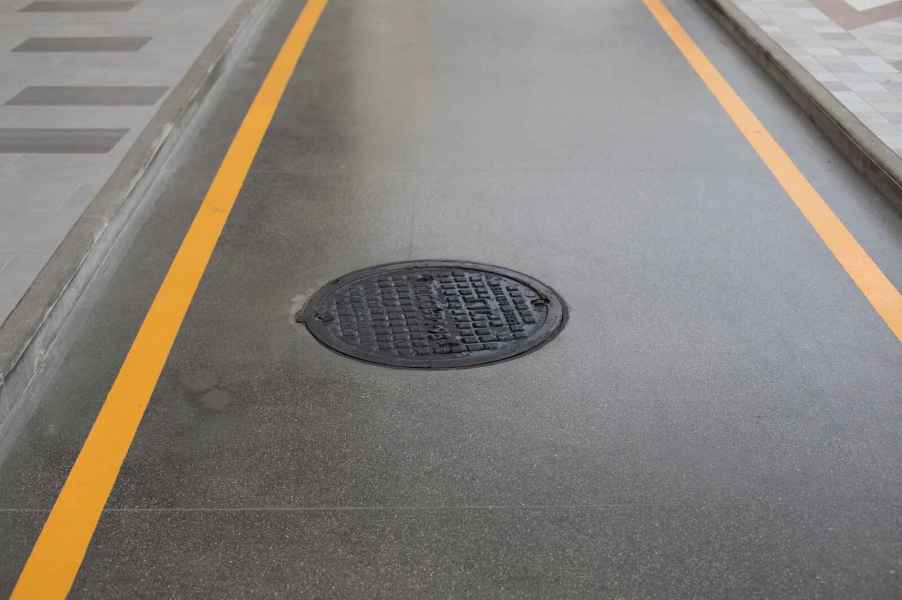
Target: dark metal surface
point(435, 314)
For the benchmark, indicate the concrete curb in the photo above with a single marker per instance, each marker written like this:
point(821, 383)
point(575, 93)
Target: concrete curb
point(867, 153)
point(29, 333)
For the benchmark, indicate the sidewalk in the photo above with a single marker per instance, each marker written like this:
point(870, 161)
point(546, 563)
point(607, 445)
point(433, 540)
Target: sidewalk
point(853, 47)
point(73, 103)
point(841, 59)
point(90, 90)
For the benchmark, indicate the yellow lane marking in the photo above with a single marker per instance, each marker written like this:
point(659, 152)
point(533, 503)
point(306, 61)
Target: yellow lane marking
point(57, 555)
point(879, 291)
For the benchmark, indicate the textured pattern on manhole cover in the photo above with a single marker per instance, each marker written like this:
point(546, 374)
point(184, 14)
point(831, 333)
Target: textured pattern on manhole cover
point(434, 314)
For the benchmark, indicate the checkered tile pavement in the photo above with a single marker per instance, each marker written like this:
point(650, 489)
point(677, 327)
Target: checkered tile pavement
point(79, 80)
point(852, 47)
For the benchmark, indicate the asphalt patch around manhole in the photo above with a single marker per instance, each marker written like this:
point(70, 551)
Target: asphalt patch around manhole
point(434, 314)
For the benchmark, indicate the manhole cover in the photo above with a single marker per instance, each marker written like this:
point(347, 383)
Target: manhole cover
point(434, 314)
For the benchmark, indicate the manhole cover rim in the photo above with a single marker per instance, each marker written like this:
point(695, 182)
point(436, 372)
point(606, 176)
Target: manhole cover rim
point(556, 318)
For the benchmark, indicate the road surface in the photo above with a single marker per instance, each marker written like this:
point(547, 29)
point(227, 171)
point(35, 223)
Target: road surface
point(721, 417)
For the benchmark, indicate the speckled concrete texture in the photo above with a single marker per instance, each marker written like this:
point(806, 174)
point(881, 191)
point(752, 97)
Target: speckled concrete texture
point(720, 417)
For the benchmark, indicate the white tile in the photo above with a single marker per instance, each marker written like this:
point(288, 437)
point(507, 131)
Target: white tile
point(866, 86)
point(868, 4)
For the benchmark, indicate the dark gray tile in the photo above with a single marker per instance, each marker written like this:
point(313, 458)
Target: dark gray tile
point(82, 44)
point(58, 141)
point(78, 95)
point(89, 6)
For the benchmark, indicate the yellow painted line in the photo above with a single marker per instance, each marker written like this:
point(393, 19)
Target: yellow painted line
point(57, 555)
point(879, 291)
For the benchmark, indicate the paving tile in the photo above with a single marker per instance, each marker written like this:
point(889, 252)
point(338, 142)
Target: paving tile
point(835, 86)
point(826, 77)
point(60, 95)
point(16, 277)
point(858, 51)
point(868, 4)
point(829, 28)
point(40, 223)
point(853, 101)
point(852, 47)
point(57, 141)
point(866, 86)
point(823, 51)
point(892, 107)
point(65, 58)
point(82, 44)
point(75, 6)
point(873, 119)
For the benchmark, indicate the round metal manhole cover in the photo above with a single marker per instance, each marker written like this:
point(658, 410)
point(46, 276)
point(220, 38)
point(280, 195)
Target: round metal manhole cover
point(434, 314)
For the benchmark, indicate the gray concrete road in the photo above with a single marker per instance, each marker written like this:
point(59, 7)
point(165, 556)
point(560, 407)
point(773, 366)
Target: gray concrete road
point(720, 418)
